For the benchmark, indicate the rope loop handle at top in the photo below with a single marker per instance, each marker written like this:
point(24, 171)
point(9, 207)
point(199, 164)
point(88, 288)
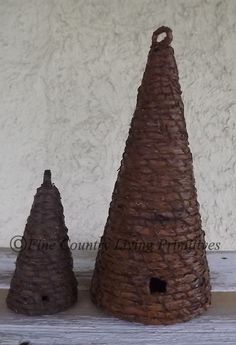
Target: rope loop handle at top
point(167, 40)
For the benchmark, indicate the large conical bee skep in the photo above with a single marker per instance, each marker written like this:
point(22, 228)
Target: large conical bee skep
point(44, 282)
point(152, 265)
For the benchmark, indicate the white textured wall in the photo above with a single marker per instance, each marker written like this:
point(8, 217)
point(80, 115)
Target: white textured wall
point(69, 72)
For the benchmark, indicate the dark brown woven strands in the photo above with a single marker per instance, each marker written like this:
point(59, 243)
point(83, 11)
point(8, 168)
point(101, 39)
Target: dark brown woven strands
point(152, 266)
point(44, 282)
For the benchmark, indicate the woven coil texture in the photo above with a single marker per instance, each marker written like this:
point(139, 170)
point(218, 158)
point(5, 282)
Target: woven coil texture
point(151, 266)
point(43, 281)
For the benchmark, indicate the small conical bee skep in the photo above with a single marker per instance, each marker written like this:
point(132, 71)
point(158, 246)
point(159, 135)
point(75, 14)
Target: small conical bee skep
point(44, 282)
point(152, 265)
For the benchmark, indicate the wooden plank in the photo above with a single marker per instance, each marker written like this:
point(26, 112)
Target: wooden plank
point(84, 324)
point(222, 266)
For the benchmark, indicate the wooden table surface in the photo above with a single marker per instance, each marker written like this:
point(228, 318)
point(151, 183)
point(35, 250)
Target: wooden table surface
point(84, 324)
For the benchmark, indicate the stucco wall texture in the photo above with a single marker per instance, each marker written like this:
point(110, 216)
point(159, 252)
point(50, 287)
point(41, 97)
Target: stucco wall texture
point(69, 77)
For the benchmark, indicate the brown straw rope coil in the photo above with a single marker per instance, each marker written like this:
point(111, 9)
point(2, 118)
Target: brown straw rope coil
point(152, 266)
point(44, 282)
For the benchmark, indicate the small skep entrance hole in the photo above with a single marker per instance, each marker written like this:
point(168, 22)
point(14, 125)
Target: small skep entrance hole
point(157, 285)
point(45, 298)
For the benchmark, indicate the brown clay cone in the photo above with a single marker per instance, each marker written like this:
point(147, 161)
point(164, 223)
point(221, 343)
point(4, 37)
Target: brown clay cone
point(152, 265)
point(44, 282)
